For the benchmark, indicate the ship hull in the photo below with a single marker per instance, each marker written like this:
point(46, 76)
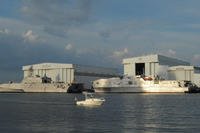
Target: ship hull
point(141, 89)
point(41, 87)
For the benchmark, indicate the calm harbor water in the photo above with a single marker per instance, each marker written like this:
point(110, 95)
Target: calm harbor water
point(121, 113)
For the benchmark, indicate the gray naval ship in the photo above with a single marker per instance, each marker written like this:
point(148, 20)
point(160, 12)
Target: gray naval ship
point(41, 84)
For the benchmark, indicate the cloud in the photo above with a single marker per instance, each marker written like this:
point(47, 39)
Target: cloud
point(56, 15)
point(170, 53)
point(118, 55)
point(25, 43)
point(30, 36)
point(68, 47)
point(196, 59)
point(105, 34)
point(55, 30)
point(4, 31)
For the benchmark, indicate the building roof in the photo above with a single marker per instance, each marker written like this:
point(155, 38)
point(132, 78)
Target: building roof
point(77, 68)
point(47, 66)
point(181, 67)
point(163, 60)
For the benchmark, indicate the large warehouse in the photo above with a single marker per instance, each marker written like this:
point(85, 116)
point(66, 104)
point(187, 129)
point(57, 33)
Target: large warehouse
point(188, 73)
point(150, 65)
point(68, 73)
point(165, 67)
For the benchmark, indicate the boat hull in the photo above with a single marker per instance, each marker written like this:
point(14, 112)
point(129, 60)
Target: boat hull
point(91, 102)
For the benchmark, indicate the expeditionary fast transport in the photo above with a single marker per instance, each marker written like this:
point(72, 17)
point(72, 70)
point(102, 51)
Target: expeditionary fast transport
point(141, 85)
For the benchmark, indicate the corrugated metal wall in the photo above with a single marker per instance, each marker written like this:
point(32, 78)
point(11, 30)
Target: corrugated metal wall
point(129, 69)
point(197, 79)
point(181, 74)
point(65, 75)
point(68, 73)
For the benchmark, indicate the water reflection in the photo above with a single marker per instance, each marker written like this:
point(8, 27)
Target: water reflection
point(155, 113)
point(120, 113)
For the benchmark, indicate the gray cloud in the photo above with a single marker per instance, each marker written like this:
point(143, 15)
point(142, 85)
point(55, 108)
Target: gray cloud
point(15, 52)
point(56, 16)
point(28, 47)
point(105, 34)
point(196, 59)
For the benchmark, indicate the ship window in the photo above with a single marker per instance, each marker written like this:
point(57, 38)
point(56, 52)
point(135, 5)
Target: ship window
point(130, 82)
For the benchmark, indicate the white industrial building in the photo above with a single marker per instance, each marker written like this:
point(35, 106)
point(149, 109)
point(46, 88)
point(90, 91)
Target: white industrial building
point(188, 73)
point(68, 73)
point(159, 65)
point(150, 65)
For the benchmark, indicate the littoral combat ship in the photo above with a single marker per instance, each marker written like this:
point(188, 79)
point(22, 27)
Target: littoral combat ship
point(41, 84)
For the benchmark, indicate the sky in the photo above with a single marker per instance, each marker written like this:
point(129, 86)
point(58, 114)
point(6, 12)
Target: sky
point(95, 32)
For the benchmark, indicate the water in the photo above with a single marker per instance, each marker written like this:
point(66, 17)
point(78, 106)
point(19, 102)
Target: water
point(121, 113)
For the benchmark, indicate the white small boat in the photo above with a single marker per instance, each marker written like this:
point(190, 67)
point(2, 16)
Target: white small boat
point(90, 100)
